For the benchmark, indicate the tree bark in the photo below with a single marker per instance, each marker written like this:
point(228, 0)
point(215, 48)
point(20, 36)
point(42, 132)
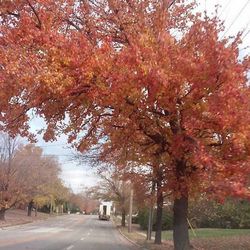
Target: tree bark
point(159, 215)
point(2, 214)
point(123, 218)
point(181, 237)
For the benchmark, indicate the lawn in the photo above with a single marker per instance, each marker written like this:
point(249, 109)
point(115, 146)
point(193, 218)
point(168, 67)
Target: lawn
point(209, 233)
point(19, 216)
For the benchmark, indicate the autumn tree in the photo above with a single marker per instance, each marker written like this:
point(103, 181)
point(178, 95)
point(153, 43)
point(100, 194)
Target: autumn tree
point(85, 201)
point(117, 177)
point(27, 175)
point(132, 162)
point(113, 186)
point(89, 202)
point(151, 76)
point(52, 193)
point(9, 190)
point(39, 175)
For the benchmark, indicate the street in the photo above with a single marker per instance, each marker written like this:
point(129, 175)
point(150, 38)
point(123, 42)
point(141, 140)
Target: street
point(69, 232)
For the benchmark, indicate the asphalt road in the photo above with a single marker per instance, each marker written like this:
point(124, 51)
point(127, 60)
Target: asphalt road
point(69, 232)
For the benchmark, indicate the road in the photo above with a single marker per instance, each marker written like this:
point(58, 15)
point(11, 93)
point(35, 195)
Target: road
point(69, 232)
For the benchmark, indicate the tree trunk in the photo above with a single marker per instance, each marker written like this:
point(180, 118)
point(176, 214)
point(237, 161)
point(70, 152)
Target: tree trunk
point(30, 206)
point(2, 214)
point(123, 218)
point(159, 215)
point(181, 237)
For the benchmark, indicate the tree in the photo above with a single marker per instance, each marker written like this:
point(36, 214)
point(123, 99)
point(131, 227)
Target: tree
point(9, 189)
point(84, 201)
point(114, 187)
point(39, 176)
point(26, 175)
point(152, 78)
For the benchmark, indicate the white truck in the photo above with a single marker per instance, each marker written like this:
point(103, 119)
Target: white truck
point(105, 210)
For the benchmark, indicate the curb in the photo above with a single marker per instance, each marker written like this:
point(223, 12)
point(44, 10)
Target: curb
point(124, 236)
point(131, 241)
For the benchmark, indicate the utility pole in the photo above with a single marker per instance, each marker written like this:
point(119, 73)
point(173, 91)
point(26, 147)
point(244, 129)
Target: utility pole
point(51, 206)
point(130, 210)
point(150, 212)
point(150, 222)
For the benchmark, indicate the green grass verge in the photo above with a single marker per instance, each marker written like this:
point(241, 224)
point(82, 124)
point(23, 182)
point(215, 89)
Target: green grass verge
point(209, 233)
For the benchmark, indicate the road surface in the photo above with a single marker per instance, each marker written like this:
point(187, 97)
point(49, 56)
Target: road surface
point(69, 232)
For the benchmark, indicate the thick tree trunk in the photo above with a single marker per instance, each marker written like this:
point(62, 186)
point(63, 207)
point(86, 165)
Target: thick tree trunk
point(159, 216)
point(181, 237)
point(30, 206)
point(2, 214)
point(123, 218)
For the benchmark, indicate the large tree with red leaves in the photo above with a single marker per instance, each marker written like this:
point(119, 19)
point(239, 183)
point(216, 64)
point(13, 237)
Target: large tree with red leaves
point(150, 80)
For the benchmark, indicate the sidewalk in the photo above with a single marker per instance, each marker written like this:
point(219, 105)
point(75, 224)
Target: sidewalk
point(138, 237)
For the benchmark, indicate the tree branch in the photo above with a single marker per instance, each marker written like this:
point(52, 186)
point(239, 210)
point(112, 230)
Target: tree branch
point(39, 25)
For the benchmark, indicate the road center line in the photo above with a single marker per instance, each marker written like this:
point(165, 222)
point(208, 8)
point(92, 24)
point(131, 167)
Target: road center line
point(82, 238)
point(69, 247)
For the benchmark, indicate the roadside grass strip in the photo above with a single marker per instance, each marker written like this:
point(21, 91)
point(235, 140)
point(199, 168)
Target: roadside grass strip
point(209, 233)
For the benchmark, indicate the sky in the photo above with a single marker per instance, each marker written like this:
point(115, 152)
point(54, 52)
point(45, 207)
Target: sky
point(236, 16)
point(74, 175)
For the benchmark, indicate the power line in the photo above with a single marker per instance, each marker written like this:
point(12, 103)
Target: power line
point(53, 145)
point(245, 30)
point(237, 16)
point(245, 34)
point(225, 7)
point(65, 155)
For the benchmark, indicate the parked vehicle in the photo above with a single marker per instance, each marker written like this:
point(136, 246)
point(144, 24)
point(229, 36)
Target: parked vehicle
point(105, 210)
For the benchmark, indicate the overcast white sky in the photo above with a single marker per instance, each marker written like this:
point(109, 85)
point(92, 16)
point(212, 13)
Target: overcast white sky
point(237, 17)
point(74, 175)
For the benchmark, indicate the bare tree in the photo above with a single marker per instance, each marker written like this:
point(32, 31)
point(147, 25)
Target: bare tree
point(9, 191)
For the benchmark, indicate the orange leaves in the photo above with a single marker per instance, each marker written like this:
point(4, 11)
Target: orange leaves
point(142, 83)
point(24, 172)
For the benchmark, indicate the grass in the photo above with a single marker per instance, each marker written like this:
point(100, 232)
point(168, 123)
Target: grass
point(205, 239)
point(209, 233)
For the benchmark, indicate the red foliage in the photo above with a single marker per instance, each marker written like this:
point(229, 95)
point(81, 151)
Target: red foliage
point(117, 74)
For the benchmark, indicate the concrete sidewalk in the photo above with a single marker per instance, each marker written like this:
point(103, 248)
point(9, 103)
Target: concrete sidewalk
point(139, 237)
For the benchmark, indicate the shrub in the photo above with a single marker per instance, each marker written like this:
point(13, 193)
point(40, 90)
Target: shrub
point(167, 219)
point(231, 214)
